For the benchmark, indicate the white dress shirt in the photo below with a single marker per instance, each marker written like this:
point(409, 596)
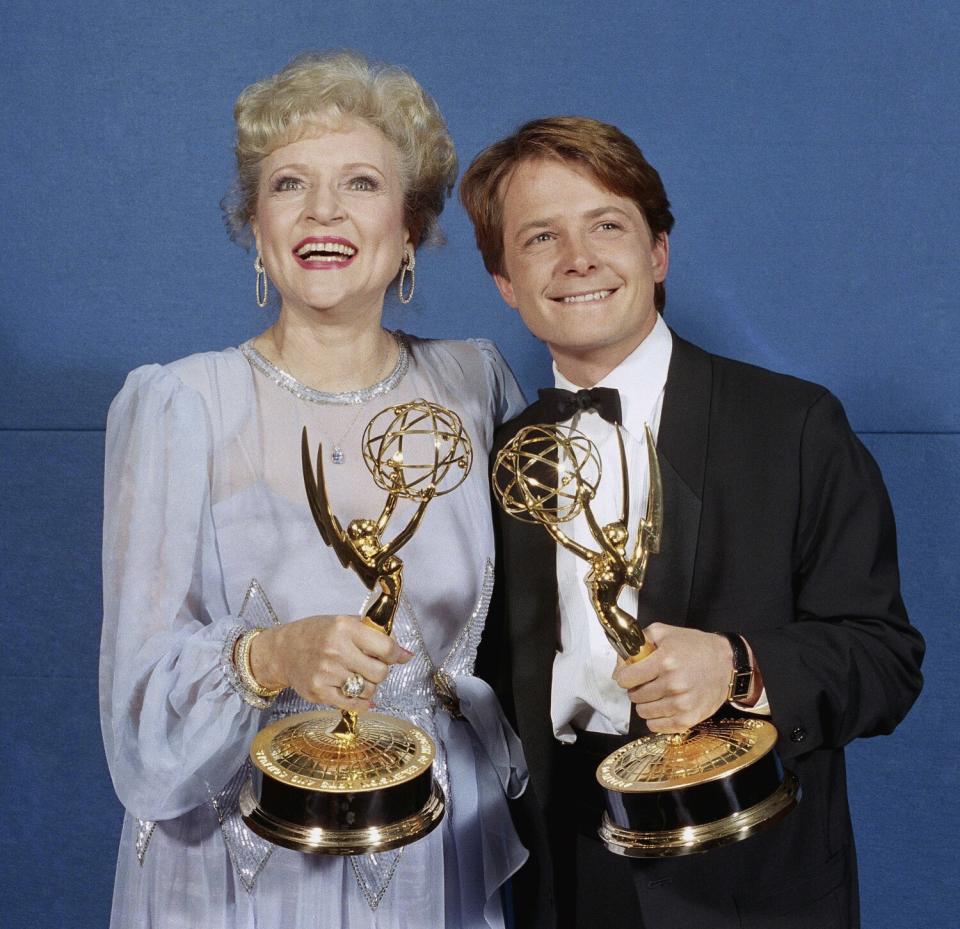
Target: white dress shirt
point(584, 694)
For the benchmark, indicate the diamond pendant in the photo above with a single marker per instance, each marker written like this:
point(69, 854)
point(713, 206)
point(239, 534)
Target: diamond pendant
point(336, 456)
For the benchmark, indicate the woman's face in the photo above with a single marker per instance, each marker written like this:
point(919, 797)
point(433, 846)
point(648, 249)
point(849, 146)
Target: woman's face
point(329, 220)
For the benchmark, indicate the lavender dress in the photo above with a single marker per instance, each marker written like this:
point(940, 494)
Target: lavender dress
point(206, 533)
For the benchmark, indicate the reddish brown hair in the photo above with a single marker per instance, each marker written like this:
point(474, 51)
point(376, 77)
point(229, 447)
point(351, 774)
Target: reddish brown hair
point(610, 156)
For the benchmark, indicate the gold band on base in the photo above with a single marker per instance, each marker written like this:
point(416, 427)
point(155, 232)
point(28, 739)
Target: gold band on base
point(341, 841)
point(711, 751)
point(688, 840)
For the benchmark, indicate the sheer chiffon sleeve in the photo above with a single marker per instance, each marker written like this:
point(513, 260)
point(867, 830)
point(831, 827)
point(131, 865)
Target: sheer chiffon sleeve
point(506, 397)
point(175, 726)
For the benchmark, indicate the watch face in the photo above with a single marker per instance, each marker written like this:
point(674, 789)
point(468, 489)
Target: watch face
point(742, 682)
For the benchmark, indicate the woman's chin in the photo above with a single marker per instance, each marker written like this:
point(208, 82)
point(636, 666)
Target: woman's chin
point(346, 306)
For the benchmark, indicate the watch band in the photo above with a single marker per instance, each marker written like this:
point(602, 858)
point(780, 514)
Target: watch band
point(741, 676)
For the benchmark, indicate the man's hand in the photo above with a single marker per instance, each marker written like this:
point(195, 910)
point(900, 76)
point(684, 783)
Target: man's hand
point(683, 682)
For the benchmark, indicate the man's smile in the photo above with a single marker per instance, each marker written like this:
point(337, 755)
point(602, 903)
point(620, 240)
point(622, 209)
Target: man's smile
point(592, 296)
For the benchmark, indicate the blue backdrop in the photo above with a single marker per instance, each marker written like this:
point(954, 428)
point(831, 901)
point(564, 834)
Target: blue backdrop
point(809, 150)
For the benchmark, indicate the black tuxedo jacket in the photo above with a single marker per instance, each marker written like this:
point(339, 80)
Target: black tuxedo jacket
point(777, 525)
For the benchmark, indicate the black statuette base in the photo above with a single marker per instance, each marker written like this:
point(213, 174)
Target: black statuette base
point(343, 823)
point(693, 819)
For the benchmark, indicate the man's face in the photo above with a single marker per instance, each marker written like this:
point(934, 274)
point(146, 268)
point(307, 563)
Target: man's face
point(580, 265)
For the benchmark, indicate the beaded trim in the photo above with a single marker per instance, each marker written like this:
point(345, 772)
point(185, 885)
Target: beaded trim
point(370, 870)
point(256, 609)
point(469, 635)
point(348, 398)
point(145, 829)
point(248, 852)
point(256, 612)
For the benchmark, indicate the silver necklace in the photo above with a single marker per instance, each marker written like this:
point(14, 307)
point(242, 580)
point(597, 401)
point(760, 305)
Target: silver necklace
point(337, 456)
point(282, 377)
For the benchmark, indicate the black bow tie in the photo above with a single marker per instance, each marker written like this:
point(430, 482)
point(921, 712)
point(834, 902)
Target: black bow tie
point(558, 404)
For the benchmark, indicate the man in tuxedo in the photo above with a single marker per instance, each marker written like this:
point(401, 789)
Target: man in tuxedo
point(777, 535)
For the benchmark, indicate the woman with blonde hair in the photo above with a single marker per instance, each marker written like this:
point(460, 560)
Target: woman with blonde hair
point(210, 550)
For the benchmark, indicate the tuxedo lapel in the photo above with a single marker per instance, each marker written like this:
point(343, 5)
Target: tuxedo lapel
point(531, 604)
point(682, 451)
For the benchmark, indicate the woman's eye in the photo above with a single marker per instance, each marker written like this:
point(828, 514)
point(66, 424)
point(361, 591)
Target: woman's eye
point(287, 183)
point(363, 183)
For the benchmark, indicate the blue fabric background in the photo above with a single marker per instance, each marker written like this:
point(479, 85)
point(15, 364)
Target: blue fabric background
point(809, 150)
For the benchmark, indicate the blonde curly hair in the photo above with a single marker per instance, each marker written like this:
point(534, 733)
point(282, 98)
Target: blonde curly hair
point(327, 88)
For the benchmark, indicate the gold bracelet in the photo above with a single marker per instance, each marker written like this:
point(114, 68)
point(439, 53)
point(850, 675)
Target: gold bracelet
point(245, 672)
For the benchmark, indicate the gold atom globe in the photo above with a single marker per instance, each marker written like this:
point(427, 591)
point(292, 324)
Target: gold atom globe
point(417, 450)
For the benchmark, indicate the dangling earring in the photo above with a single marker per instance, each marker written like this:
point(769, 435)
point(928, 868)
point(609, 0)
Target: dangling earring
point(409, 263)
point(263, 285)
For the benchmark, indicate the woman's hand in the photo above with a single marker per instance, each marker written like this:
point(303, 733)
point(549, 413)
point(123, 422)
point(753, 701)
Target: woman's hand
point(316, 655)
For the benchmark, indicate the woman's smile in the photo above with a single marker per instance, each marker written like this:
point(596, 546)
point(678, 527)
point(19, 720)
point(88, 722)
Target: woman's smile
point(324, 253)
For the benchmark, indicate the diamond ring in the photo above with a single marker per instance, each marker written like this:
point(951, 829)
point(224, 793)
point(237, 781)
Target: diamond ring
point(353, 686)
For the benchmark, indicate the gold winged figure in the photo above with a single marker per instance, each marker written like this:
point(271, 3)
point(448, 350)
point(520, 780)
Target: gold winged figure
point(564, 452)
point(437, 448)
point(361, 546)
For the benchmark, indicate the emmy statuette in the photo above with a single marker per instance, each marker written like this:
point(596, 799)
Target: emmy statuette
point(666, 795)
point(342, 783)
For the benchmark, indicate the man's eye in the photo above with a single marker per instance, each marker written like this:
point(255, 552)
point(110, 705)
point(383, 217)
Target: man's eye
point(540, 237)
point(608, 226)
point(363, 183)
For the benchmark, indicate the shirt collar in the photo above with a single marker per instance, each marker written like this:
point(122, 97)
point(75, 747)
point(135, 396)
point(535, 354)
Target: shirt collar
point(640, 378)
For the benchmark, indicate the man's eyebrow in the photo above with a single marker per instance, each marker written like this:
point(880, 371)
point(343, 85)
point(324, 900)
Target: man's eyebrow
point(609, 208)
point(532, 224)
